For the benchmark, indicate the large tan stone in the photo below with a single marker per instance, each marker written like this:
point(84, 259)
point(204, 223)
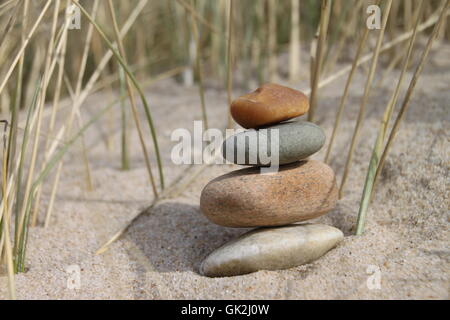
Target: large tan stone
point(245, 198)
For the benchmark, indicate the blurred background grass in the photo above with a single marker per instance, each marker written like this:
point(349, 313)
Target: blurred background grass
point(161, 38)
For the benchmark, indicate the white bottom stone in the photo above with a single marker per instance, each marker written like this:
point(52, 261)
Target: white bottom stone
point(271, 249)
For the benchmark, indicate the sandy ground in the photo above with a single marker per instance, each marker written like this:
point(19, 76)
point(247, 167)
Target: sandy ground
point(406, 238)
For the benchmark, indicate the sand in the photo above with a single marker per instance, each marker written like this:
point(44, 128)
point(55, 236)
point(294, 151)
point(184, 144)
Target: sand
point(405, 242)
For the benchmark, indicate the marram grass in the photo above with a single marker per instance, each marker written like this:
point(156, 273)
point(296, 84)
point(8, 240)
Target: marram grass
point(133, 103)
point(372, 174)
point(377, 148)
point(137, 86)
point(365, 98)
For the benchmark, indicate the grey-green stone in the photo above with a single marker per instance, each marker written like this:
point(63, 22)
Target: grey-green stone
point(271, 249)
point(297, 140)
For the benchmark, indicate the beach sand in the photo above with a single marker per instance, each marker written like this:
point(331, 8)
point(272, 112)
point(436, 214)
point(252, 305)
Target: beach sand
point(406, 240)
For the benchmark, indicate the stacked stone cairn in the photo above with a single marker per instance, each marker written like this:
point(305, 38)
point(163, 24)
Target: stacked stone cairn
point(274, 202)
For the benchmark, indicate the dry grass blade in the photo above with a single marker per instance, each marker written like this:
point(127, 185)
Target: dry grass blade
point(365, 98)
point(341, 107)
point(133, 101)
point(12, 139)
point(294, 43)
point(5, 223)
point(259, 40)
point(30, 122)
point(230, 61)
point(198, 64)
point(272, 39)
point(323, 28)
point(124, 134)
point(88, 175)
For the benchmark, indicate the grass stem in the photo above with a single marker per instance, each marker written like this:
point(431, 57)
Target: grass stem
point(317, 65)
point(373, 164)
point(365, 98)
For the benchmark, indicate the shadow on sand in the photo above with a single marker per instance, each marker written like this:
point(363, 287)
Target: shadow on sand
point(175, 236)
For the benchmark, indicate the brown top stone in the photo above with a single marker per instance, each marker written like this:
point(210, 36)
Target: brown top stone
point(269, 104)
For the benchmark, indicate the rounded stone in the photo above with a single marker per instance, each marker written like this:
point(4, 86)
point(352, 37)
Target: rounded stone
point(271, 249)
point(292, 141)
point(269, 104)
point(245, 198)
